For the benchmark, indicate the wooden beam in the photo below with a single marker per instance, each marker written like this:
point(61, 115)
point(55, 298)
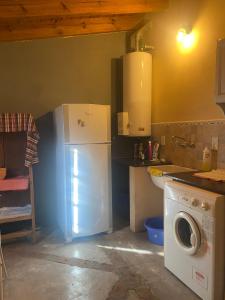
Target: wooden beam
point(29, 19)
point(33, 28)
point(23, 8)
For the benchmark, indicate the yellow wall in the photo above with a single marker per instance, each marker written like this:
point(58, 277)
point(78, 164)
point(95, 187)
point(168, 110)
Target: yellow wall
point(183, 84)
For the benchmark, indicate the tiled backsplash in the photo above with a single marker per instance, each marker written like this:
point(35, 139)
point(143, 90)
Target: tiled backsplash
point(201, 132)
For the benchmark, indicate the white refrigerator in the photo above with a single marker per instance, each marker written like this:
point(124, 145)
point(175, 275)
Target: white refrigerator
point(83, 164)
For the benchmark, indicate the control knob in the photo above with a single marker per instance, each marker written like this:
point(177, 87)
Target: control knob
point(205, 206)
point(194, 202)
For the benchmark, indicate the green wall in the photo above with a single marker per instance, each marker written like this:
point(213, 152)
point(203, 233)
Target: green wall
point(36, 76)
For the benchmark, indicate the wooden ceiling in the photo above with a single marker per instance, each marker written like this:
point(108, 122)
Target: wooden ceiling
point(31, 19)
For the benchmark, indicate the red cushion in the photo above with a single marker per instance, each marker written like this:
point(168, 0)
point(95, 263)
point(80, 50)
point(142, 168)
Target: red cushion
point(14, 184)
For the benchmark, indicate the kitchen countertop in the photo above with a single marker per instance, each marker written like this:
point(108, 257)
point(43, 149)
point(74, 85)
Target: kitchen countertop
point(205, 184)
point(139, 163)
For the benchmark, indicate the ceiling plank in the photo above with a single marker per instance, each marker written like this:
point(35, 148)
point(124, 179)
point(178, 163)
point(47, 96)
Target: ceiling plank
point(67, 27)
point(23, 8)
point(30, 19)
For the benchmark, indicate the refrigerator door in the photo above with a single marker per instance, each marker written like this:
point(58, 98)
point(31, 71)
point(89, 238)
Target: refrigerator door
point(87, 123)
point(89, 183)
point(62, 195)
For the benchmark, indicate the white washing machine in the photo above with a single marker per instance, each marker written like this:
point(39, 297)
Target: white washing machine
point(194, 238)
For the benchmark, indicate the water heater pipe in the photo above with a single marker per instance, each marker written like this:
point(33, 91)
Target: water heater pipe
point(138, 37)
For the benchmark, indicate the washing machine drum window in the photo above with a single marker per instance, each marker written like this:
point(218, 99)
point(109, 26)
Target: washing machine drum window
point(186, 232)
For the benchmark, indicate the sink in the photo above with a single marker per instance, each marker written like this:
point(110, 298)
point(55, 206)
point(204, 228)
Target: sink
point(157, 173)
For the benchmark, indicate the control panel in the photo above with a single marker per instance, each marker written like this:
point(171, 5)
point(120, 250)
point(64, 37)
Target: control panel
point(200, 201)
point(195, 202)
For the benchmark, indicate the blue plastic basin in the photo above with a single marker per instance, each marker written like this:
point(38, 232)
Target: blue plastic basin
point(155, 230)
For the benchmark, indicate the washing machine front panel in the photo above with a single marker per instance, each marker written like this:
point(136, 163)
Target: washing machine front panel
point(186, 233)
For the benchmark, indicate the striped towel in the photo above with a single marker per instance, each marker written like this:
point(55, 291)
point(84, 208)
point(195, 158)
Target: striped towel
point(18, 122)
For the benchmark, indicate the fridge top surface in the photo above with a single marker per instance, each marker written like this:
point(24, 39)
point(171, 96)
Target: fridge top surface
point(84, 104)
point(86, 143)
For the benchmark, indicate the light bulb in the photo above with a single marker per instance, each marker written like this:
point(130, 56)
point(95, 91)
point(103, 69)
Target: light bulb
point(186, 40)
point(181, 35)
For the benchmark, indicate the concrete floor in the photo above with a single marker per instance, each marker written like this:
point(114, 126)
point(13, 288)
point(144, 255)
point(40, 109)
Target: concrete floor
point(117, 266)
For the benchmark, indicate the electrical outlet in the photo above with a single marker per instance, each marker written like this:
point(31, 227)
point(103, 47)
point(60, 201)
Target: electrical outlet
point(215, 142)
point(163, 140)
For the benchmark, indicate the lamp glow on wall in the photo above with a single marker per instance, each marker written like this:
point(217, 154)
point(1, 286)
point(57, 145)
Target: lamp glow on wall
point(186, 39)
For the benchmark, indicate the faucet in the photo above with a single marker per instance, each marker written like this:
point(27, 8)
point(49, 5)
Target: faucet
point(182, 142)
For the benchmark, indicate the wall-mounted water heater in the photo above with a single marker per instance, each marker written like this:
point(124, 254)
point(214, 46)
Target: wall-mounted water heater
point(135, 120)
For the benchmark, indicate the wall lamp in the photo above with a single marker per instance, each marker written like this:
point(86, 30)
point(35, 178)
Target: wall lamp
point(186, 39)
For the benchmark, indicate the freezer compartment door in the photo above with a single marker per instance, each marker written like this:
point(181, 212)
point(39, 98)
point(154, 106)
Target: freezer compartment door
point(90, 186)
point(87, 123)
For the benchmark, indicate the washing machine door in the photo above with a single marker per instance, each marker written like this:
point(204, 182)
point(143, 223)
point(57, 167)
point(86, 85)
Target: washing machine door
point(186, 233)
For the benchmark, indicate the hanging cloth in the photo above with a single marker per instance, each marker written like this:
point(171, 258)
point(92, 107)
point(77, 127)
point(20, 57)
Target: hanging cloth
point(20, 122)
